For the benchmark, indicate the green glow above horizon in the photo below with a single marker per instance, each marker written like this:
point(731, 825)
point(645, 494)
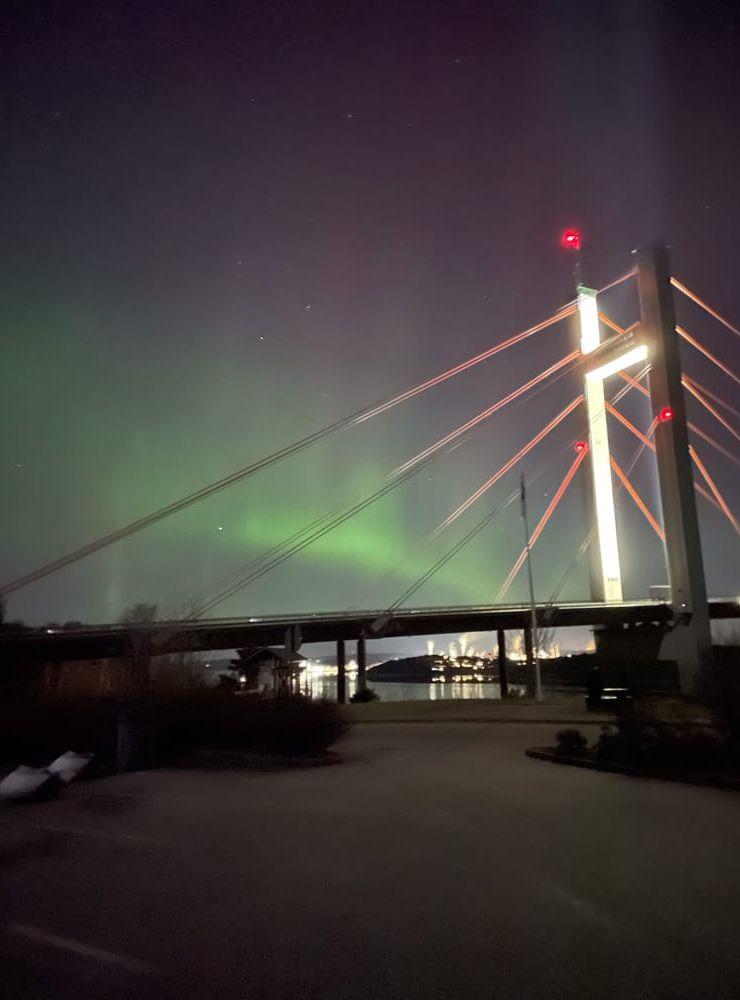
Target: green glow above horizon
point(110, 426)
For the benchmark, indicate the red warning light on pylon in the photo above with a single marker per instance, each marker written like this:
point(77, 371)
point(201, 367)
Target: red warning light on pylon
point(666, 414)
point(580, 446)
point(571, 239)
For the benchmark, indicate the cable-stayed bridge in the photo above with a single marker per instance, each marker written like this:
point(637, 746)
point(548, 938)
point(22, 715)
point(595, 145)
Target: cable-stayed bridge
point(611, 361)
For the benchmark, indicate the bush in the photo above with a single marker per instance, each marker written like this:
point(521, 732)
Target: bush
point(216, 720)
point(645, 741)
point(720, 689)
point(570, 741)
point(36, 731)
point(365, 695)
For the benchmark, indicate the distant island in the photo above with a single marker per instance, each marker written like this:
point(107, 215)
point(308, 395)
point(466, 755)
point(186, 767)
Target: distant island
point(430, 667)
point(558, 671)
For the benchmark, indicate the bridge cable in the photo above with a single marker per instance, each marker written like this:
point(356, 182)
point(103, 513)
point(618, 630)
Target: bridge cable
point(485, 414)
point(444, 559)
point(704, 305)
point(715, 444)
point(711, 395)
point(520, 454)
point(549, 511)
point(616, 327)
point(543, 468)
point(651, 445)
point(683, 333)
point(373, 411)
point(353, 419)
point(629, 425)
point(707, 353)
point(459, 545)
point(714, 488)
point(333, 523)
point(559, 366)
point(640, 503)
point(606, 288)
point(588, 540)
point(692, 427)
point(685, 380)
point(709, 408)
point(590, 537)
point(492, 480)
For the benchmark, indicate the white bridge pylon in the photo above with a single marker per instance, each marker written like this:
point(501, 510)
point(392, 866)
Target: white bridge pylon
point(598, 432)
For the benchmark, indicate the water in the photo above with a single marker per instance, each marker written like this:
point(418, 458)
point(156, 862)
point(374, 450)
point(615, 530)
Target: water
point(318, 686)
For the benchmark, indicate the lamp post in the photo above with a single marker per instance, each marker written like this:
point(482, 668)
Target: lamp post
point(533, 609)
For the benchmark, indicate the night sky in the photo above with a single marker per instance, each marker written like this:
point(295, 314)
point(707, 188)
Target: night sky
point(228, 224)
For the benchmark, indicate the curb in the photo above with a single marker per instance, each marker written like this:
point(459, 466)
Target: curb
point(488, 721)
point(590, 764)
point(239, 760)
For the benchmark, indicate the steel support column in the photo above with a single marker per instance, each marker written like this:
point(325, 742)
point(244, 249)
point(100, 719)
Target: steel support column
point(341, 673)
point(361, 662)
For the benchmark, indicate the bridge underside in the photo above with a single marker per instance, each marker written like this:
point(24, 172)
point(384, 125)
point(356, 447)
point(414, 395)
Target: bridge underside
point(106, 642)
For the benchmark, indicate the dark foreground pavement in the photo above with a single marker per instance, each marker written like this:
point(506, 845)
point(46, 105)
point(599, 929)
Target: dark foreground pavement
point(436, 862)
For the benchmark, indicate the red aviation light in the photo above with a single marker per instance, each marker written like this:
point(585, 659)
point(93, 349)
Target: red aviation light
point(580, 446)
point(666, 414)
point(571, 240)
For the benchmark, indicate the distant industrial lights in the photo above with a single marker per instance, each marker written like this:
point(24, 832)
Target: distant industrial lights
point(571, 239)
point(666, 414)
point(580, 446)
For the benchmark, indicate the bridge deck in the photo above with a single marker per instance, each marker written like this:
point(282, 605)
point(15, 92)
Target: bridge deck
point(104, 641)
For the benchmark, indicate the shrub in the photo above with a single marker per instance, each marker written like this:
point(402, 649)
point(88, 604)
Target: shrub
point(646, 741)
point(570, 741)
point(367, 694)
point(293, 726)
point(720, 688)
point(36, 731)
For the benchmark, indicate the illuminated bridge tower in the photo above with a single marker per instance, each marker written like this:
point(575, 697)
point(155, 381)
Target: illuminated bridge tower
point(653, 342)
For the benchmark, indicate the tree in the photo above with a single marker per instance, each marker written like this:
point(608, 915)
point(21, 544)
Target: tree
point(139, 614)
point(545, 637)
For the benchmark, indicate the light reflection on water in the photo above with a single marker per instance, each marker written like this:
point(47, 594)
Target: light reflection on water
point(318, 686)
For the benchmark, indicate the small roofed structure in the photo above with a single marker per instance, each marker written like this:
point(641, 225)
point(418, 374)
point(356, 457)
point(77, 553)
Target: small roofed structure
point(268, 668)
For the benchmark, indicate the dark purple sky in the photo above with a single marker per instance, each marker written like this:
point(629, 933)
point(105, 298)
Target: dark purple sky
point(226, 224)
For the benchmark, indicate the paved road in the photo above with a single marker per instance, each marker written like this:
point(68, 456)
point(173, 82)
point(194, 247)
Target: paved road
point(436, 862)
